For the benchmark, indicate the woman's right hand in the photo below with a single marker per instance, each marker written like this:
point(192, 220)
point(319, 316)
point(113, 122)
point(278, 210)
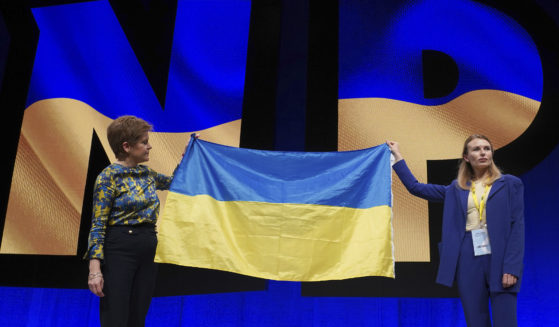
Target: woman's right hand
point(395, 149)
point(95, 278)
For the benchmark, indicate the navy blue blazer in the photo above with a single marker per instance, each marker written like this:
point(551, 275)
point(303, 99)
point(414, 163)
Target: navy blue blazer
point(505, 225)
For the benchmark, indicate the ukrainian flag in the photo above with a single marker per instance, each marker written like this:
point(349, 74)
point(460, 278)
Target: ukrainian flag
point(295, 216)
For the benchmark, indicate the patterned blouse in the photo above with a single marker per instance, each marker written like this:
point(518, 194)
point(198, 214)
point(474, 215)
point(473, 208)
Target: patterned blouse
point(123, 196)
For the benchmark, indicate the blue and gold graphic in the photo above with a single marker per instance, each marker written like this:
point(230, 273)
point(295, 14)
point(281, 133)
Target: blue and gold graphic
point(86, 74)
point(384, 72)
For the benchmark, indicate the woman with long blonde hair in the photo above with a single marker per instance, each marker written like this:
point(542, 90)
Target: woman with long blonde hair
point(482, 244)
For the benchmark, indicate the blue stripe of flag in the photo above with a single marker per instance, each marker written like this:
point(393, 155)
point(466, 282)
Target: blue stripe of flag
point(355, 179)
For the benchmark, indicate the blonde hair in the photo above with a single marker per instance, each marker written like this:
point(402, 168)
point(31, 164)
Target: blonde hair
point(126, 129)
point(465, 170)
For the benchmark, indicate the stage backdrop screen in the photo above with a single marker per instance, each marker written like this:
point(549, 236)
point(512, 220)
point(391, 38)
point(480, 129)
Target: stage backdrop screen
point(85, 74)
point(428, 74)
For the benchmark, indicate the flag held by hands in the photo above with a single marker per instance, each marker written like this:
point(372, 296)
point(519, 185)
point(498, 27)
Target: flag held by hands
point(294, 216)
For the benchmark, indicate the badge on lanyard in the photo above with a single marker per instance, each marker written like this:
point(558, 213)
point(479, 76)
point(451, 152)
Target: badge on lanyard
point(480, 237)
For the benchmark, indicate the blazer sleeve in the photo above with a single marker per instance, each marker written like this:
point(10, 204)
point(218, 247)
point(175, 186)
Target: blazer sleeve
point(514, 251)
point(430, 192)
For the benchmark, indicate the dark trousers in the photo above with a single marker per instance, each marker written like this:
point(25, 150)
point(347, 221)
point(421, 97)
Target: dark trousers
point(472, 277)
point(129, 275)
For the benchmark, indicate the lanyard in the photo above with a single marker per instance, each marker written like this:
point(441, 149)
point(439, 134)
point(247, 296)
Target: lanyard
point(481, 205)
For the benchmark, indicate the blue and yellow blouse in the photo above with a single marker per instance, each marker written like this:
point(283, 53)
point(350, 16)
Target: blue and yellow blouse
point(123, 196)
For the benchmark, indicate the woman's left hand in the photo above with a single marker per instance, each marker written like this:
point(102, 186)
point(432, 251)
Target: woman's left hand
point(196, 135)
point(509, 280)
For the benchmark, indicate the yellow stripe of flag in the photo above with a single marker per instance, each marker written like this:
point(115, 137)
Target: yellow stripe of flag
point(292, 242)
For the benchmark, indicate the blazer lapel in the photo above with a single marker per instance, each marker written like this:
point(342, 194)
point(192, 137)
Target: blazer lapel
point(463, 200)
point(497, 186)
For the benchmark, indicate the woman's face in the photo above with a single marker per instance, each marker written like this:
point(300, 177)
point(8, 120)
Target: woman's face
point(139, 152)
point(479, 154)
